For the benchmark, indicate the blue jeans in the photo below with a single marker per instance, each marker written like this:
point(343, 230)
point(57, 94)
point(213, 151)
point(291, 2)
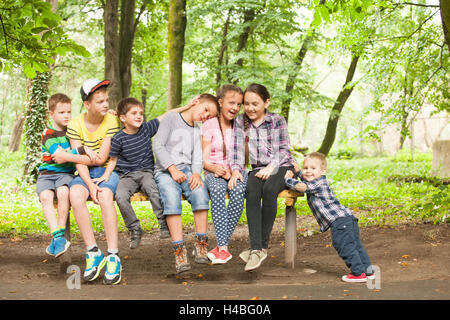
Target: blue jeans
point(171, 192)
point(225, 217)
point(97, 172)
point(346, 241)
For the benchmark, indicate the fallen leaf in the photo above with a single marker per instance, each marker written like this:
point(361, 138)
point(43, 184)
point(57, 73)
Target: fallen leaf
point(403, 264)
point(284, 297)
point(405, 256)
point(282, 243)
point(126, 257)
point(199, 276)
point(328, 246)
point(184, 283)
point(255, 298)
point(16, 239)
point(44, 261)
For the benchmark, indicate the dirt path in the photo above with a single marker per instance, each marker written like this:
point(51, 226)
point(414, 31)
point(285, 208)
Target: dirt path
point(414, 262)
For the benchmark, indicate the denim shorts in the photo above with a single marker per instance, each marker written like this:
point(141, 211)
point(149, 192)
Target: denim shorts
point(171, 191)
point(53, 181)
point(97, 172)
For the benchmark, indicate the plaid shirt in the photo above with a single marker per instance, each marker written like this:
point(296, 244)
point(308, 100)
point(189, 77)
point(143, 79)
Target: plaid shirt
point(268, 143)
point(321, 200)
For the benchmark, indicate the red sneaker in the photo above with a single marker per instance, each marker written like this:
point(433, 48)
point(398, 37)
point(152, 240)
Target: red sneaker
point(223, 257)
point(352, 278)
point(212, 255)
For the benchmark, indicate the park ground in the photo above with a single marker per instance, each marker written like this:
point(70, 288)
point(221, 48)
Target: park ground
point(414, 263)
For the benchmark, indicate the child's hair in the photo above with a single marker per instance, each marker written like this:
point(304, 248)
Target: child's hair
point(221, 92)
point(89, 98)
point(264, 94)
point(319, 156)
point(55, 99)
point(209, 97)
point(125, 105)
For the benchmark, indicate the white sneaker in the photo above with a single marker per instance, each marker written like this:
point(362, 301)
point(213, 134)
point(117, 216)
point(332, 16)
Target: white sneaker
point(255, 259)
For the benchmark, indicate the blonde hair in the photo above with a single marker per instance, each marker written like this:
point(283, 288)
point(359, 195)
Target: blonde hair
point(318, 156)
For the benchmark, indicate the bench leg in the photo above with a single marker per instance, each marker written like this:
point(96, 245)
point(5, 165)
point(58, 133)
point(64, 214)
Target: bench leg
point(65, 260)
point(290, 243)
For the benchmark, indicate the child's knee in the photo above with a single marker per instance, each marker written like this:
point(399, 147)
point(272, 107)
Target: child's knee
point(46, 196)
point(62, 193)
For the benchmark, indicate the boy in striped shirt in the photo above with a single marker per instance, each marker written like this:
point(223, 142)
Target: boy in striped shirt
point(330, 213)
point(132, 157)
point(57, 170)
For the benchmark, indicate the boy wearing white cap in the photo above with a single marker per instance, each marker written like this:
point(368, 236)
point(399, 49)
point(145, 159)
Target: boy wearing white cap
point(95, 128)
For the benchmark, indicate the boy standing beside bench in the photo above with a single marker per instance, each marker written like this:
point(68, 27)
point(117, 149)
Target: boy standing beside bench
point(95, 128)
point(330, 213)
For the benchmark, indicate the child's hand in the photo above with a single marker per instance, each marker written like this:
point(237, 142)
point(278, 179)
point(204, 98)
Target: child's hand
point(289, 174)
point(220, 171)
point(177, 175)
point(94, 189)
point(227, 174)
point(235, 176)
point(93, 156)
point(193, 101)
point(104, 177)
point(264, 173)
point(112, 111)
point(58, 155)
point(296, 166)
point(195, 181)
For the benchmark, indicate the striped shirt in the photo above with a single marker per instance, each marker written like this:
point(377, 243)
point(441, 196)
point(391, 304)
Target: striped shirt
point(321, 200)
point(268, 143)
point(76, 130)
point(134, 151)
point(51, 140)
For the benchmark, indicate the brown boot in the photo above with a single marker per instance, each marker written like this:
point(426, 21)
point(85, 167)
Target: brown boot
point(181, 259)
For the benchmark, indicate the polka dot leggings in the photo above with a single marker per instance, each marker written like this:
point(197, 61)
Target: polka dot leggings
point(225, 218)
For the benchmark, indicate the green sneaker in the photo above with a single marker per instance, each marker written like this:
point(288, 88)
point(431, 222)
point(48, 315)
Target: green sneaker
point(95, 261)
point(113, 273)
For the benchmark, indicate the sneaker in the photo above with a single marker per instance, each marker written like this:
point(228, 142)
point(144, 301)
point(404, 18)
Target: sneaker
point(113, 272)
point(223, 257)
point(51, 248)
point(255, 259)
point(95, 261)
point(352, 278)
point(164, 232)
point(212, 255)
point(135, 238)
point(61, 246)
point(244, 255)
point(371, 276)
point(181, 259)
point(200, 252)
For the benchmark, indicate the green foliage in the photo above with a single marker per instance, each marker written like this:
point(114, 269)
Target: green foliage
point(31, 36)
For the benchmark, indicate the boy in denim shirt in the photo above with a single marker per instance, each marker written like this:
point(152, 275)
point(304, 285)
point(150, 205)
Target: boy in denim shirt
point(330, 213)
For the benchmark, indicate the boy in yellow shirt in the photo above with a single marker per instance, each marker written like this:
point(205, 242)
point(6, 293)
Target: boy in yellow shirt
point(94, 129)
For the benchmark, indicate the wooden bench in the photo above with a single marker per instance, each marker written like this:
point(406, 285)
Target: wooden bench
point(290, 229)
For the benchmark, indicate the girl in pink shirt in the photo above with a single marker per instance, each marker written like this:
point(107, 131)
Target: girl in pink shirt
point(216, 141)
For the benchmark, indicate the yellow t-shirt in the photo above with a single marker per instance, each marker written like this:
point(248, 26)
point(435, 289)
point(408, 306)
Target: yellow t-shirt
point(76, 130)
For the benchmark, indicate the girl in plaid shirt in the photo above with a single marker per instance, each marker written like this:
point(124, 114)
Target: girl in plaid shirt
point(330, 213)
point(260, 139)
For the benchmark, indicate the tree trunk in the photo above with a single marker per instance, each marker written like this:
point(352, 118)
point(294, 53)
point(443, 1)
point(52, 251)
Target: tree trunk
point(176, 29)
point(249, 16)
point(445, 17)
point(286, 103)
point(112, 51)
point(330, 133)
point(223, 47)
point(126, 39)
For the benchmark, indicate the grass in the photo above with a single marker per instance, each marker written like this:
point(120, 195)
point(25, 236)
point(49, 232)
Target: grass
point(362, 184)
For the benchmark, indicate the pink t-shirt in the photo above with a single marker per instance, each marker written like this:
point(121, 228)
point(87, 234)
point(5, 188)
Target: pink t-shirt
point(211, 131)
